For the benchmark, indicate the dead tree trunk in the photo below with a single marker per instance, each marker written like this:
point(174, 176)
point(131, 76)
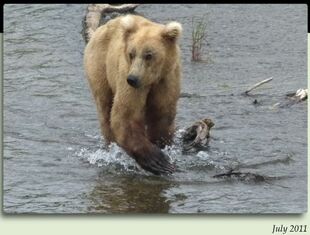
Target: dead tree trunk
point(96, 11)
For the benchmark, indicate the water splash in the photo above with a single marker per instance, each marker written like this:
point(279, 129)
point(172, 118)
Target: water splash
point(112, 158)
point(115, 160)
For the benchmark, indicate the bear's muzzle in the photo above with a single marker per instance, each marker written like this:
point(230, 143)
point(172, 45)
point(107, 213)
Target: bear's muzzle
point(133, 81)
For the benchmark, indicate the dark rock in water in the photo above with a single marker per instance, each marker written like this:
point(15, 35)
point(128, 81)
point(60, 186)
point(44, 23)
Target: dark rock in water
point(197, 136)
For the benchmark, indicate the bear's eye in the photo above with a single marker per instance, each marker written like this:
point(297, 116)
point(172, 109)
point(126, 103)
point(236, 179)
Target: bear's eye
point(148, 56)
point(131, 55)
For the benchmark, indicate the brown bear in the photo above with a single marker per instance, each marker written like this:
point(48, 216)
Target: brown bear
point(134, 72)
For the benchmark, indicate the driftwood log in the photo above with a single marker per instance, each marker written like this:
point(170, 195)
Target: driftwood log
point(96, 12)
point(197, 136)
point(242, 176)
point(293, 98)
point(299, 95)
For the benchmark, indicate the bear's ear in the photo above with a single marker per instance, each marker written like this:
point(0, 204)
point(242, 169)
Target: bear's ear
point(128, 23)
point(172, 31)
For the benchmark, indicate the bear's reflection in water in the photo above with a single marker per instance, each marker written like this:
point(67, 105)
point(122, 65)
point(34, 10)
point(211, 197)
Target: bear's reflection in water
point(140, 194)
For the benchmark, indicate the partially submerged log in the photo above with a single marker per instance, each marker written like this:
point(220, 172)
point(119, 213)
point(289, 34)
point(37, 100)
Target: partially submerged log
point(242, 176)
point(197, 136)
point(299, 95)
point(292, 98)
point(295, 97)
point(95, 13)
point(191, 95)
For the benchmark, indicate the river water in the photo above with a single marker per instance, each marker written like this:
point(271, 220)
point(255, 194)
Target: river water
point(54, 160)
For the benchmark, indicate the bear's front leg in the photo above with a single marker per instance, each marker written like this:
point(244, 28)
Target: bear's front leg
point(128, 126)
point(161, 110)
point(160, 126)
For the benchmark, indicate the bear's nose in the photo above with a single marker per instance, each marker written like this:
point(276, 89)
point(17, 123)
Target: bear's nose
point(133, 81)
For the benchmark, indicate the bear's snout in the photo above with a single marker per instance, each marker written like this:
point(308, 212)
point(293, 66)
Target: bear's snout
point(133, 81)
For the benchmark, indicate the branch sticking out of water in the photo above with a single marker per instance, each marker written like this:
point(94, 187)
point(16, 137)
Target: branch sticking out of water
point(258, 85)
point(199, 26)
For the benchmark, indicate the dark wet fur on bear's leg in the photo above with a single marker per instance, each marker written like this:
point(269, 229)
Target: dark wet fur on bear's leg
point(154, 160)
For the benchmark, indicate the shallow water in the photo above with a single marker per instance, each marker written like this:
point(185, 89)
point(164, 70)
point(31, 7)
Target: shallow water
point(54, 159)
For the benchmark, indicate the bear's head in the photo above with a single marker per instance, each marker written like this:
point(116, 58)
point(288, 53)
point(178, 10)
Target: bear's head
point(151, 49)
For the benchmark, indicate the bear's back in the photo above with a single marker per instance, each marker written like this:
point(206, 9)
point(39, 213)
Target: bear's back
point(114, 29)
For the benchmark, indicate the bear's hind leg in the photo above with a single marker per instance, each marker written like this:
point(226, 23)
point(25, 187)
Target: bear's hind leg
point(104, 106)
point(103, 97)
